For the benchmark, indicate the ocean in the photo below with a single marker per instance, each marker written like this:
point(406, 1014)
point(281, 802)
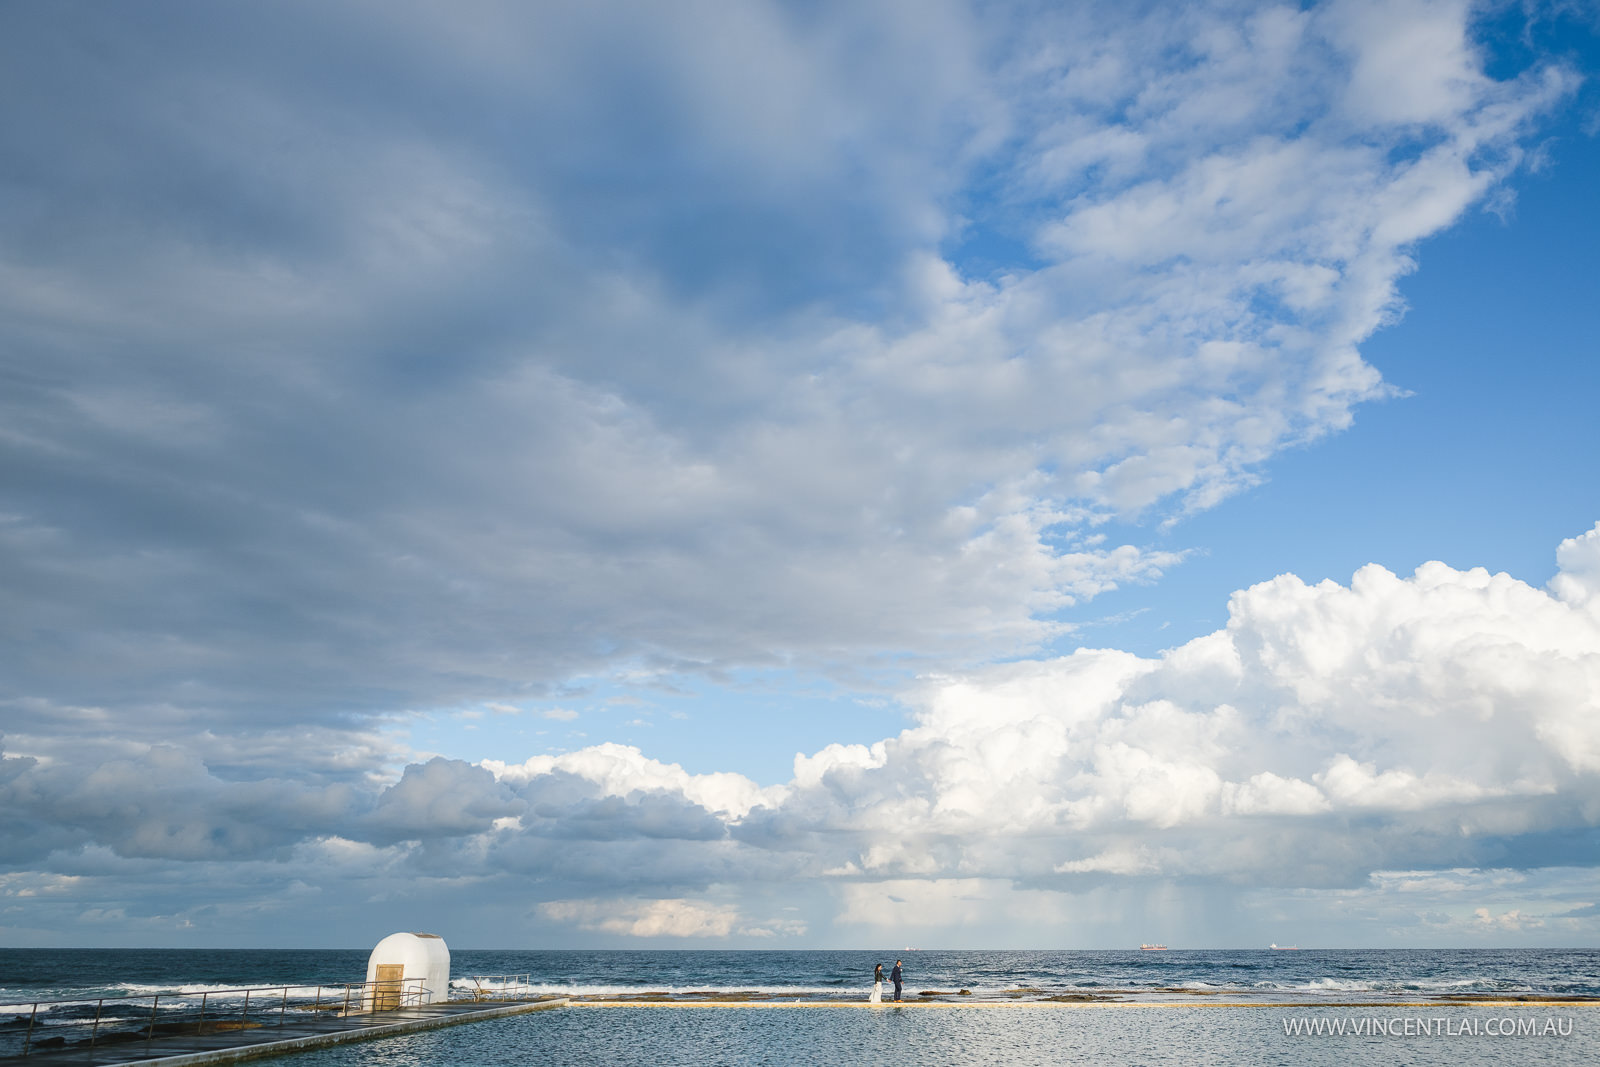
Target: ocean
point(1044, 1007)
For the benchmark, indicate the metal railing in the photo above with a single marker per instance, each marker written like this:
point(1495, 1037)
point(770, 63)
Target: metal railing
point(69, 1024)
point(495, 987)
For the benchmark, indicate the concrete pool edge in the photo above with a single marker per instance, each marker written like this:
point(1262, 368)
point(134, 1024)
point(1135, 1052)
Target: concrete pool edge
point(310, 1042)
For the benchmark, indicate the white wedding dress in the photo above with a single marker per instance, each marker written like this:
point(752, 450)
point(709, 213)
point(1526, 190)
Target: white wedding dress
point(877, 993)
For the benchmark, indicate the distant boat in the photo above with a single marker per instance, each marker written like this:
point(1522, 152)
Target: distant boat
point(1161, 948)
point(1284, 948)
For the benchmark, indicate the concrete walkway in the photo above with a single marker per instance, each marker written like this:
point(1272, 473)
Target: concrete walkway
point(294, 1035)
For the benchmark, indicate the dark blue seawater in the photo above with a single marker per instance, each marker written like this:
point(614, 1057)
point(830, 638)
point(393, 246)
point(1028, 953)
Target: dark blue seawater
point(1010, 1018)
point(62, 974)
point(1025, 1035)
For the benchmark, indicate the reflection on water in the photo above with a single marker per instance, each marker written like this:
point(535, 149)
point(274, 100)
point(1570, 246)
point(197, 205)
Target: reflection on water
point(1010, 1036)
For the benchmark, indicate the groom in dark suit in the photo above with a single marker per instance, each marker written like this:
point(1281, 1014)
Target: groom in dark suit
point(894, 976)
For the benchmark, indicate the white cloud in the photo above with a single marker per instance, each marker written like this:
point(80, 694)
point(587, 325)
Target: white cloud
point(663, 918)
point(1268, 794)
point(1122, 860)
point(1357, 785)
point(1365, 746)
point(942, 904)
point(752, 404)
point(1453, 706)
point(622, 770)
point(1511, 920)
point(1413, 63)
point(1578, 582)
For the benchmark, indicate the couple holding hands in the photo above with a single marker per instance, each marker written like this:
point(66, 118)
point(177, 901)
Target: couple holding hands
point(877, 983)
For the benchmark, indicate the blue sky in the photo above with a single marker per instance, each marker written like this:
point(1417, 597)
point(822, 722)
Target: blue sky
point(686, 477)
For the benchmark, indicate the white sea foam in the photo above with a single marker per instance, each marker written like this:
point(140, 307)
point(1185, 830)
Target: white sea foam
point(190, 995)
point(612, 990)
point(172, 995)
point(1421, 985)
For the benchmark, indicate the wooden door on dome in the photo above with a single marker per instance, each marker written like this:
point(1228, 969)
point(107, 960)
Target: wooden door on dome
point(386, 991)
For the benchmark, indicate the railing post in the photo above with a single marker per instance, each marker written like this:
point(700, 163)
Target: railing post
point(246, 1016)
point(96, 1031)
point(151, 1032)
point(347, 999)
point(28, 1041)
point(318, 1005)
point(200, 1027)
point(284, 1005)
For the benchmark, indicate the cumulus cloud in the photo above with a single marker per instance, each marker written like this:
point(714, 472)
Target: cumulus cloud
point(662, 919)
point(165, 803)
point(1349, 726)
point(1578, 582)
point(941, 904)
point(1328, 737)
point(622, 770)
point(443, 798)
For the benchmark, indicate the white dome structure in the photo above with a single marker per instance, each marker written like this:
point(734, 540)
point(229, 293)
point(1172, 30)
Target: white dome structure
point(405, 970)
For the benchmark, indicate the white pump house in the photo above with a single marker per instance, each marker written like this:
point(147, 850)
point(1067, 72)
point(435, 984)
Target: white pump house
point(405, 970)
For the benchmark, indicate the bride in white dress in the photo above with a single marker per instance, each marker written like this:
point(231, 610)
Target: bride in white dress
point(877, 986)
